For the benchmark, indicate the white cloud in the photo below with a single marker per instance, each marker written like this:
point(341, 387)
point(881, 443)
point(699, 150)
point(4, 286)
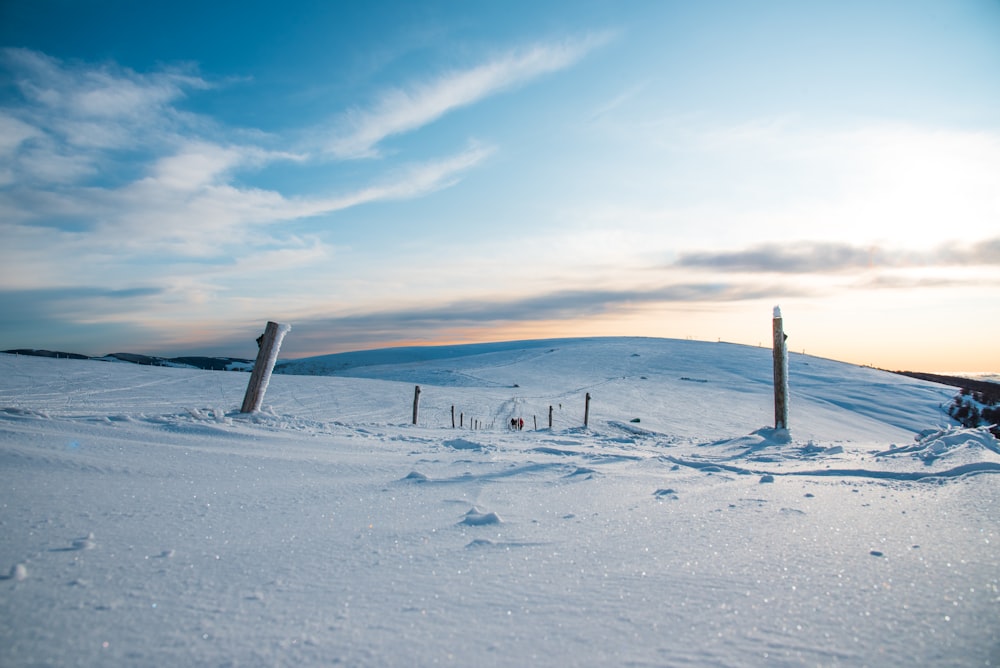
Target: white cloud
point(105, 91)
point(182, 214)
point(183, 201)
point(71, 116)
point(405, 109)
point(414, 181)
point(200, 163)
point(13, 133)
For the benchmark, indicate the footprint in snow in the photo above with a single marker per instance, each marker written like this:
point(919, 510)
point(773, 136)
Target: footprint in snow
point(480, 543)
point(18, 573)
point(85, 543)
point(462, 444)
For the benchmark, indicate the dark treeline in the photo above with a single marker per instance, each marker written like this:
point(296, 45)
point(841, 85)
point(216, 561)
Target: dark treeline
point(989, 391)
point(208, 363)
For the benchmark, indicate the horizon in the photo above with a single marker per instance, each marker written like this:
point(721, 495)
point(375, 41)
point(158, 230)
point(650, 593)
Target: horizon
point(991, 376)
point(173, 175)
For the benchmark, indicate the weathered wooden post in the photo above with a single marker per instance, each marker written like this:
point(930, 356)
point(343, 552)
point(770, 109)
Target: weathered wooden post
point(453, 416)
point(267, 354)
point(586, 411)
point(535, 418)
point(550, 417)
point(780, 352)
point(416, 402)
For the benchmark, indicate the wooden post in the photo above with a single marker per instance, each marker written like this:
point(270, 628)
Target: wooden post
point(780, 352)
point(586, 411)
point(453, 417)
point(550, 417)
point(267, 354)
point(416, 402)
point(535, 418)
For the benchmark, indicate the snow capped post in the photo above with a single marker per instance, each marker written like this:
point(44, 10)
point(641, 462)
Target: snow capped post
point(267, 354)
point(780, 352)
point(416, 402)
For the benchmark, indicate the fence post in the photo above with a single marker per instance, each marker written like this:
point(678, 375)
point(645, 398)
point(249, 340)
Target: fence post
point(586, 411)
point(550, 417)
point(267, 354)
point(453, 417)
point(780, 353)
point(416, 402)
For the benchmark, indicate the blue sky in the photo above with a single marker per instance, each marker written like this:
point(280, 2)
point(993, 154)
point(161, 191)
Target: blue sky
point(173, 175)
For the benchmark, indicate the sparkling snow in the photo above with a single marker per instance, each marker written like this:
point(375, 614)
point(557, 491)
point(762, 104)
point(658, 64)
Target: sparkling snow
point(146, 523)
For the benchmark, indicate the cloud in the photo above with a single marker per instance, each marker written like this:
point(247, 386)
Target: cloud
point(58, 317)
point(186, 210)
point(69, 123)
point(892, 282)
point(106, 91)
point(796, 258)
point(982, 253)
point(827, 257)
point(96, 159)
point(409, 182)
point(401, 110)
point(430, 322)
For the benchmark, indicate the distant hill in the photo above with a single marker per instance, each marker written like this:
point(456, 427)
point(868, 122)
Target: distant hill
point(988, 389)
point(193, 362)
point(46, 353)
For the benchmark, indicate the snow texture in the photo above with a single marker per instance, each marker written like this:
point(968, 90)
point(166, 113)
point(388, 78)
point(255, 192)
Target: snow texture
point(146, 522)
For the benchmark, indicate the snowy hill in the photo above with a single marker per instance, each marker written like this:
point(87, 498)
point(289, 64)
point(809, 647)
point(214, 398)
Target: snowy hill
point(689, 388)
point(147, 523)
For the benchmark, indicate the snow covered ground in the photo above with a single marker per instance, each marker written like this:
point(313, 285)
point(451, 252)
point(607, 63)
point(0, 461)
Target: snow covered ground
point(146, 523)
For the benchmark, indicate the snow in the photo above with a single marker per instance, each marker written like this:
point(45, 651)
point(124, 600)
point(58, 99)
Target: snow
point(146, 522)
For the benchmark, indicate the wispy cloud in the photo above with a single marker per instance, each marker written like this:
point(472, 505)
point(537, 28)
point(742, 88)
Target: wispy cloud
point(78, 112)
point(826, 257)
point(105, 91)
point(99, 159)
point(983, 253)
point(797, 258)
point(42, 318)
point(431, 321)
point(358, 132)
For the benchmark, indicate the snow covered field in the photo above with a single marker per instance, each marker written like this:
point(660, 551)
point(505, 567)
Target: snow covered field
point(146, 523)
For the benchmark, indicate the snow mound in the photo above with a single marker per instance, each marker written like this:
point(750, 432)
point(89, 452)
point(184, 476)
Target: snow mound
point(954, 442)
point(754, 442)
point(476, 518)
